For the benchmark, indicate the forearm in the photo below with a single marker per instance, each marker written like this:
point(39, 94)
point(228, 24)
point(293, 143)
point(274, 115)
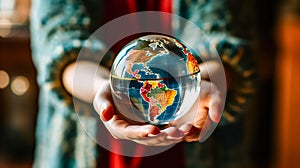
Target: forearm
point(82, 79)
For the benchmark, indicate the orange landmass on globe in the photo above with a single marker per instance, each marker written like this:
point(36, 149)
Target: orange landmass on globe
point(191, 63)
point(158, 96)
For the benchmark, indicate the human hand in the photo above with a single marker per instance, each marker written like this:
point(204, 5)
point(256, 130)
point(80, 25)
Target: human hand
point(199, 122)
point(123, 128)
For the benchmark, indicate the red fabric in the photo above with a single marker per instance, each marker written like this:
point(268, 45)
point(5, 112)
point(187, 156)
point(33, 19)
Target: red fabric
point(117, 8)
point(165, 6)
point(119, 161)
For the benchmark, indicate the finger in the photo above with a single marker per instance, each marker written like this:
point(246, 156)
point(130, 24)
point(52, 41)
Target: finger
point(158, 140)
point(203, 128)
point(132, 131)
point(138, 131)
point(207, 129)
point(214, 112)
point(103, 103)
point(213, 99)
point(153, 140)
point(215, 107)
point(173, 133)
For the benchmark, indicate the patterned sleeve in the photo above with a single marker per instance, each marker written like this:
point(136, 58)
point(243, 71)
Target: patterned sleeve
point(229, 32)
point(59, 30)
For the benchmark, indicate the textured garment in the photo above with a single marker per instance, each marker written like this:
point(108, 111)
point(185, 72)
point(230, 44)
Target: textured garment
point(59, 28)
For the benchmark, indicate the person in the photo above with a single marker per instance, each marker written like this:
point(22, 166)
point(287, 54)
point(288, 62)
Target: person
point(59, 29)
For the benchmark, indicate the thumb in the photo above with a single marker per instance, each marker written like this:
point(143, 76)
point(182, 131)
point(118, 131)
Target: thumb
point(216, 103)
point(215, 112)
point(103, 103)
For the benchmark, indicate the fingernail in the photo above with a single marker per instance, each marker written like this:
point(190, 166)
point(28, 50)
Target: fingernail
point(108, 112)
point(103, 116)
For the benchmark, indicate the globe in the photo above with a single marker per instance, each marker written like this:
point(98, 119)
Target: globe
point(155, 79)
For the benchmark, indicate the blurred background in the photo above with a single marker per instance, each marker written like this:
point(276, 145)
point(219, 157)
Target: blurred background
point(272, 133)
point(18, 89)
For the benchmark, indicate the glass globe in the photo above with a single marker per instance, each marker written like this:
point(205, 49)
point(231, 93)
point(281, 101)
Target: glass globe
point(155, 79)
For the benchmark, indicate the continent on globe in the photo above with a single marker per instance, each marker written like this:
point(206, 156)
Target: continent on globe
point(191, 63)
point(136, 56)
point(159, 97)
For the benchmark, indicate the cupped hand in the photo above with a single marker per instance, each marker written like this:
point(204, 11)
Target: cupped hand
point(122, 128)
point(199, 122)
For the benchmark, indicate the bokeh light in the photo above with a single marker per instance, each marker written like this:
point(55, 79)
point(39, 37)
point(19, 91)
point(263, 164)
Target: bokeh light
point(4, 79)
point(20, 85)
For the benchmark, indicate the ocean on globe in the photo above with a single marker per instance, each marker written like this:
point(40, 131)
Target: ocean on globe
point(155, 79)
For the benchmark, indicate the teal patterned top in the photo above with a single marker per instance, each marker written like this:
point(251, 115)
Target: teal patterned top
point(59, 28)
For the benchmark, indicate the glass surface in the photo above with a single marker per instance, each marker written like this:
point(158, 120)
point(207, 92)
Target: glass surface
point(155, 79)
